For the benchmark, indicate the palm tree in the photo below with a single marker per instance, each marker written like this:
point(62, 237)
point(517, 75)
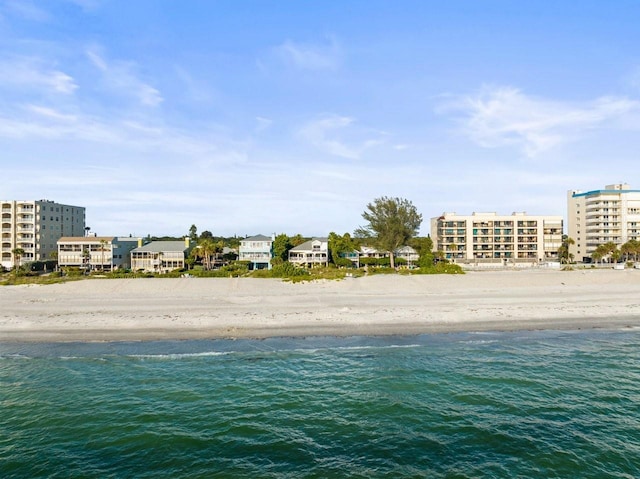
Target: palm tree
point(86, 258)
point(596, 255)
point(17, 255)
point(563, 252)
point(206, 247)
point(611, 249)
point(103, 244)
point(630, 249)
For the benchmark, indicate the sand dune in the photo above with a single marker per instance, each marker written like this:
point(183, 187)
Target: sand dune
point(144, 309)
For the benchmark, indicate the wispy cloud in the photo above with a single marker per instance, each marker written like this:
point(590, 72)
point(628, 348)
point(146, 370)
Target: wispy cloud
point(26, 10)
point(50, 113)
point(505, 116)
point(29, 73)
point(307, 56)
point(121, 78)
point(339, 136)
point(36, 122)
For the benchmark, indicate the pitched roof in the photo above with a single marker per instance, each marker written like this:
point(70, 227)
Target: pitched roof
point(307, 245)
point(161, 246)
point(258, 238)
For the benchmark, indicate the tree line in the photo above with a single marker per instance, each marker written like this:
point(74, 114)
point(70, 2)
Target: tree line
point(609, 251)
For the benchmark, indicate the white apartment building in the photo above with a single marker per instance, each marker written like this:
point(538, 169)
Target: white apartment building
point(257, 250)
point(493, 238)
point(599, 216)
point(35, 227)
point(105, 253)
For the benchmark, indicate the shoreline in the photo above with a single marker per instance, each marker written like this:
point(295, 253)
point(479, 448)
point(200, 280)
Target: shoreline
point(105, 310)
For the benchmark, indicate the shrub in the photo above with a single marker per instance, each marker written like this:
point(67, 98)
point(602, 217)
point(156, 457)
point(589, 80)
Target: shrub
point(383, 262)
point(368, 261)
point(288, 270)
point(441, 268)
point(343, 263)
point(400, 261)
point(72, 271)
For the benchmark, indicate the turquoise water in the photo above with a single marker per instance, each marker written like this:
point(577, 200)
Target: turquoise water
point(527, 404)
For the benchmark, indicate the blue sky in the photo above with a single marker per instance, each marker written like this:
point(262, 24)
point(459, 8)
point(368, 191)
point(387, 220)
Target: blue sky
point(247, 117)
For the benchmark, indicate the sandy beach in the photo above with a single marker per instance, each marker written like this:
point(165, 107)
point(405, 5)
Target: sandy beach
point(190, 308)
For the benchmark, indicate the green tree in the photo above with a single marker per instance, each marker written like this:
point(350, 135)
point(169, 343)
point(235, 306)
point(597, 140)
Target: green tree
point(281, 246)
point(193, 233)
point(424, 246)
point(205, 249)
point(630, 249)
point(611, 250)
point(563, 251)
point(18, 253)
point(340, 245)
point(103, 248)
point(597, 255)
point(297, 240)
point(605, 250)
point(392, 222)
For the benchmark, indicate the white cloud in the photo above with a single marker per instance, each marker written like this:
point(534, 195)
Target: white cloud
point(29, 73)
point(504, 116)
point(311, 56)
point(337, 135)
point(120, 77)
point(26, 10)
point(51, 113)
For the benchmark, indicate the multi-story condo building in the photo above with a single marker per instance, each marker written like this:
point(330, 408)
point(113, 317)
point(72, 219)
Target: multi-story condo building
point(601, 216)
point(493, 238)
point(105, 253)
point(35, 227)
point(257, 250)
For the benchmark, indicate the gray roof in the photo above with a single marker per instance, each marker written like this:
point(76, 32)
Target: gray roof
point(162, 246)
point(258, 238)
point(306, 246)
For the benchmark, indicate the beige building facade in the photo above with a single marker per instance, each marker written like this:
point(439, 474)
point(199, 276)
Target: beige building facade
point(600, 216)
point(104, 253)
point(35, 227)
point(493, 238)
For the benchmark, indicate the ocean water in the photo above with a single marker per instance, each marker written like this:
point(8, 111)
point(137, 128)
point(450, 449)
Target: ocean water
point(547, 404)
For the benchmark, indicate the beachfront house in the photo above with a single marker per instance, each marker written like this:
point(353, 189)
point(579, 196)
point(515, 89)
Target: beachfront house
point(314, 252)
point(103, 253)
point(161, 256)
point(257, 251)
point(369, 252)
point(408, 254)
point(353, 256)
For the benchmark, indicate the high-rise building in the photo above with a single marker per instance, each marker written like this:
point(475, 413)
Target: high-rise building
point(34, 227)
point(493, 238)
point(601, 216)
